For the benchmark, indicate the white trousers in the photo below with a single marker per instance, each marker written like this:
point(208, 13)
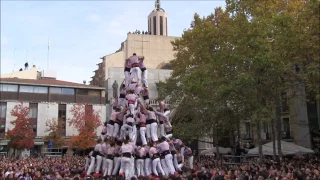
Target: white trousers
point(182, 152)
point(104, 164)
point(144, 78)
point(99, 162)
point(156, 166)
point(168, 136)
point(148, 165)
point(126, 130)
point(116, 128)
point(169, 163)
point(86, 167)
point(121, 102)
point(126, 165)
point(143, 135)
point(161, 130)
point(147, 101)
point(164, 167)
point(108, 167)
point(135, 73)
point(175, 163)
point(152, 131)
point(127, 78)
point(92, 164)
point(134, 134)
point(133, 170)
point(190, 162)
point(140, 167)
point(110, 130)
point(117, 163)
point(132, 109)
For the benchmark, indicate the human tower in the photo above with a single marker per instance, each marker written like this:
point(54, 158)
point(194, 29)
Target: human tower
point(137, 140)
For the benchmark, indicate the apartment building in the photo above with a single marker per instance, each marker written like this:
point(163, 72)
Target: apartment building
point(47, 99)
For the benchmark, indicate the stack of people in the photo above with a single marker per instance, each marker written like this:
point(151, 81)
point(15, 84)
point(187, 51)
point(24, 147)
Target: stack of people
point(137, 141)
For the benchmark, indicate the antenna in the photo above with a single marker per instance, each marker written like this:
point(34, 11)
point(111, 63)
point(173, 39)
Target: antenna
point(48, 53)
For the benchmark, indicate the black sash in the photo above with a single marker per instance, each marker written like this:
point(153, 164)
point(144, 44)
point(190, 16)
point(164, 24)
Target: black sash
point(109, 156)
point(150, 121)
point(155, 156)
point(126, 154)
point(139, 157)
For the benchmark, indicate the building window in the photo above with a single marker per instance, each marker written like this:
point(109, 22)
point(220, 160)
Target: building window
point(154, 25)
point(40, 90)
point(3, 114)
point(149, 26)
point(82, 92)
point(33, 114)
point(34, 89)
point(8, 88)
point(166, 26)
point(55, 90)
point(62, 109)
point(161, 25)
point(286, 128)
point(66, 91)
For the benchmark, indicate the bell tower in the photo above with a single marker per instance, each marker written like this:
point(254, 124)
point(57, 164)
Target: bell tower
point(158, 20)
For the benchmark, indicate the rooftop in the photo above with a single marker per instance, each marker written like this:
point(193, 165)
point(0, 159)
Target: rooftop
point(47, 82)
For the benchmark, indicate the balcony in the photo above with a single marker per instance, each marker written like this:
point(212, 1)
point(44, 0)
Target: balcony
point(62, 98)
point(8, 95)
point(91, 99)
point(33, 97)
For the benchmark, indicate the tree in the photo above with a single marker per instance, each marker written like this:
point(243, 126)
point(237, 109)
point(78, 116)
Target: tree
point(233, 65)
point(22, 135)
point(56, 132)
point(86, 121)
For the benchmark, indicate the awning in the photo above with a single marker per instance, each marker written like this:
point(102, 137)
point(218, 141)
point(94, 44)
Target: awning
point(38, 143)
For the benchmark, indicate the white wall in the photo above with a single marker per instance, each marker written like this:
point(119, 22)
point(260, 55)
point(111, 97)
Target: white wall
point(102, 112)
point(99, 108)
point(9, 117)
point(32, 73)
point(46, 112)
point(70, 130)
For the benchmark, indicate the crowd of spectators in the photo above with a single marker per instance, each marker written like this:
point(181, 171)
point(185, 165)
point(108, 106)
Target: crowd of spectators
point(205, 168)
point(139, 32)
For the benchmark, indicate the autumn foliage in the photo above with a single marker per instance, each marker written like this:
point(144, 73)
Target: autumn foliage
point(22, 135)
point(86, 121)
point(56, 130)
